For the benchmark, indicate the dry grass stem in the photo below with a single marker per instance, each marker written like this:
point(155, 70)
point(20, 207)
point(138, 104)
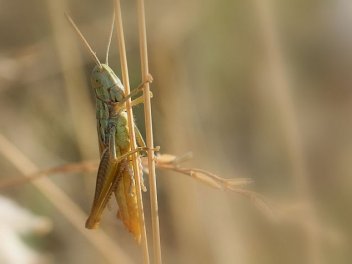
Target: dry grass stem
point(170, 162)
point(69, 209)
point(164, 162)
point(203, 176)
point(208, 178)
point(281, 93)
point(125, 78)
point(75, 81)
point(84, 166)
point(149, 133)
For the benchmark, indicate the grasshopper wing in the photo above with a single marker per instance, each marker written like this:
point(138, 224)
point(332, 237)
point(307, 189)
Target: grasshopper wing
point(107, 182)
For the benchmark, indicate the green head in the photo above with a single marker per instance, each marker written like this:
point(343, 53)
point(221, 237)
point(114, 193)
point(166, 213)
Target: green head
point(106, 84)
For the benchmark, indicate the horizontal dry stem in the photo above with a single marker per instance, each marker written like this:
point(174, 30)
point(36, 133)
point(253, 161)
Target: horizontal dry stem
point(83, 166)
point(237, 185)
point(165, 162)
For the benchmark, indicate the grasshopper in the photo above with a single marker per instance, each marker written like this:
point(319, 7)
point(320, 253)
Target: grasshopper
point(115, 172)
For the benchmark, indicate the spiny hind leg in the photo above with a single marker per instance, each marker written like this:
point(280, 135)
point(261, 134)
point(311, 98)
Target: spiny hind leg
point(131, 173)
point(139, 137)
point(129, 170)
point(141, 143)
point(140, 167)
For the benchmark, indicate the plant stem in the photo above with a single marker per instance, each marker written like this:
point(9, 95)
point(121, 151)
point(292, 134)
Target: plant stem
point(149, 133)
point(125, 79)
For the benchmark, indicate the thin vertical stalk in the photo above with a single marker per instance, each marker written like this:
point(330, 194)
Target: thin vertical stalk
point(281, 91)
point(75, 82)
point(149, 132)
point(125, 79)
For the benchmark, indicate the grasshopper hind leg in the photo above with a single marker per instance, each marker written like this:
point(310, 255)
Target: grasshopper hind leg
point(130, 172)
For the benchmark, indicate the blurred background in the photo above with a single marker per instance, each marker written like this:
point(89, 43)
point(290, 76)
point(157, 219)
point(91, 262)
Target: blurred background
point(258, 89)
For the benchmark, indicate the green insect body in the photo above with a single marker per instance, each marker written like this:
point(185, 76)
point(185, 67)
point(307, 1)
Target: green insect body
point(108, 89)
point(115, 173)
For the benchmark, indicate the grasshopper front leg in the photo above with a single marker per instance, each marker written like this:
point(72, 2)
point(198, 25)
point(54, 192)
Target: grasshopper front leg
point(138, 89)
point(120, 103)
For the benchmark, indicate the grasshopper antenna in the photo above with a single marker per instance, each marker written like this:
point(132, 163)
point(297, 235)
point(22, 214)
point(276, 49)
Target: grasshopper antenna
point(110, 37)
point(83, 40)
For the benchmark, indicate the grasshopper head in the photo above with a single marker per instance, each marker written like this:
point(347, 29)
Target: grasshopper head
point(106, 84)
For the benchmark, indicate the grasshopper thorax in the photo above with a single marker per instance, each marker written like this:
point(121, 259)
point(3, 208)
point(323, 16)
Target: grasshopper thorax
point(106, 84)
